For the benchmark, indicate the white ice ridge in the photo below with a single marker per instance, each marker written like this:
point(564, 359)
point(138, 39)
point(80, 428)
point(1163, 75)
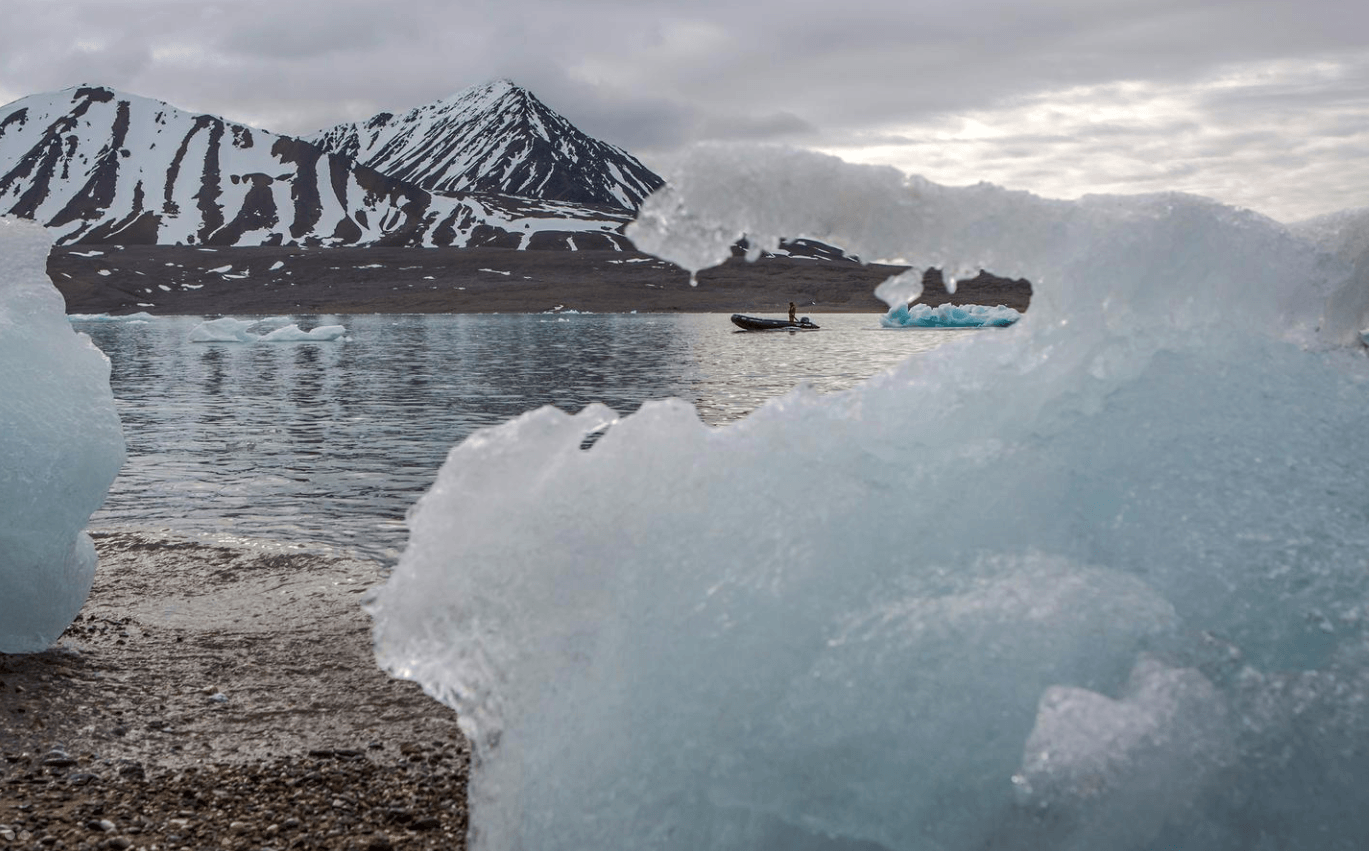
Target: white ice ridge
point(60, 447)
point(230, 330)
point(1115, 551)
point(949, 316)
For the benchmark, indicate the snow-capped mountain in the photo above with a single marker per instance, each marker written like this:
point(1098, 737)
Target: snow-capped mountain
point(496, 138)
point(100, 166)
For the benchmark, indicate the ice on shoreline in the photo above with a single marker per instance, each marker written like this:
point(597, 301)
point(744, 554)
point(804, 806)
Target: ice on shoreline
point(230, 330)
point(949, 316)
point(61, 446)
point(1093, 582)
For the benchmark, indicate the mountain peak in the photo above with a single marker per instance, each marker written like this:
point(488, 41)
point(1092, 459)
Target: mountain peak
point(496, 137)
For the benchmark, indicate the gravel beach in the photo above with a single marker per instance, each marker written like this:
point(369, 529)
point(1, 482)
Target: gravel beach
point(227, 698)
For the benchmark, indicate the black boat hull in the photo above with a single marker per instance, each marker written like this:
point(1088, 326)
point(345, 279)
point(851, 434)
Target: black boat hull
point(757, 323)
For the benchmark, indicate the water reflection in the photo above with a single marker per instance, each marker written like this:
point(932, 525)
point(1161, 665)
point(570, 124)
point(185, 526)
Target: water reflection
point(331, 442)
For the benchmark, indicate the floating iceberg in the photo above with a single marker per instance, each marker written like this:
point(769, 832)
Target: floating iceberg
point(60, 447)
point(292, 334)
point(1094, 582)
point(949, 316)
point(230, 330)
point(141, 316)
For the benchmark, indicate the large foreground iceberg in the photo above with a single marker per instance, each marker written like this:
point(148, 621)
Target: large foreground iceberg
point(1097, 581)
point(60, 447)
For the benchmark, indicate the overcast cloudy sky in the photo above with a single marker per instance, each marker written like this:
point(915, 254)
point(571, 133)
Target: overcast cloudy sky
point(1255, 103)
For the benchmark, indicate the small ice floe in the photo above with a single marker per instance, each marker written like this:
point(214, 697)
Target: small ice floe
point(87, 254)
point(222, 269)
point(292, 334)
point(104, 273)
point(164, 288)
point(372, 266)
point(279, 264)
point(496, 271)
point(230, 330)
point(105, 317)
point(949, 316)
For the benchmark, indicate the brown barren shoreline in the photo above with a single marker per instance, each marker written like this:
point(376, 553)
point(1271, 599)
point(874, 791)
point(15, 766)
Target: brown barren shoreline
point(181, 280)
point(227, 698)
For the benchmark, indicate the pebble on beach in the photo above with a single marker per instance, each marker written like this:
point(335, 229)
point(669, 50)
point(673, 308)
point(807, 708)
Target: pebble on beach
point(141, 729)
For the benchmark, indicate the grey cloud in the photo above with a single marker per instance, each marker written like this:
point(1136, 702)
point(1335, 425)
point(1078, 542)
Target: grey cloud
point(652, 75)
point(766, 127)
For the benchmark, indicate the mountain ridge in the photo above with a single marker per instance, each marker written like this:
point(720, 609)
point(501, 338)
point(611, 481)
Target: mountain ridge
point(99, 166)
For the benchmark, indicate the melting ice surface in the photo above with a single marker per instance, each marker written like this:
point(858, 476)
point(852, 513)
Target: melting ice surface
point(135, 318)
point(227, 329)
point(60, 447)
point(949, 316)
point(1096, 581)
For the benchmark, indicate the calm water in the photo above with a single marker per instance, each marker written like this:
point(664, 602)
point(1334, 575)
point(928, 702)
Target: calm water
point(330, 443)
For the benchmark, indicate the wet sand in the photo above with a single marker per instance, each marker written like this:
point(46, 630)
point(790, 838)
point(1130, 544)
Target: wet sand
point(219, 697)
point(176, 280)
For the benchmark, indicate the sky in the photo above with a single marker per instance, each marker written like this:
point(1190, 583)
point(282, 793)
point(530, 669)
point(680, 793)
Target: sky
point(1257, 104)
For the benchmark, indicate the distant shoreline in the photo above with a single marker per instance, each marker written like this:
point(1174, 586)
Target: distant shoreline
point(183, 280)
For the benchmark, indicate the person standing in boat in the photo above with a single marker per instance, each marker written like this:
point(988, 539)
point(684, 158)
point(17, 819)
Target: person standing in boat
point(793, 313)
